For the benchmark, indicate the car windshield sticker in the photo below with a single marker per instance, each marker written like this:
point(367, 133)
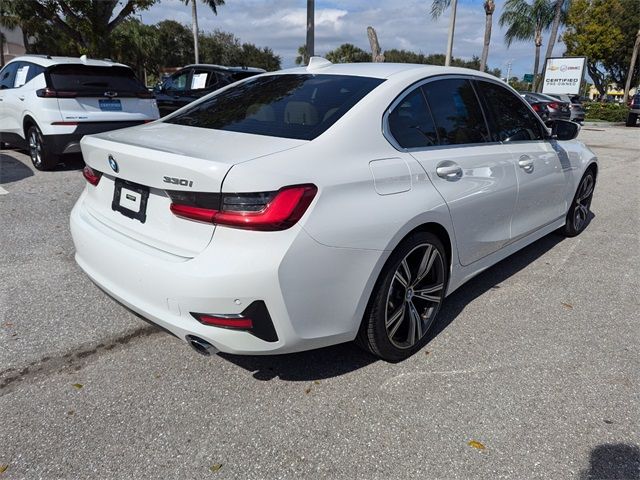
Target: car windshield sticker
point(21, 76)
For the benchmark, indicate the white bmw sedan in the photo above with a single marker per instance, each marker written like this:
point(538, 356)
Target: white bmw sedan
point(319, 205)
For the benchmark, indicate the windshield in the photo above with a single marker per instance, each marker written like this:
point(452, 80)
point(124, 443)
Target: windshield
point(299, 106)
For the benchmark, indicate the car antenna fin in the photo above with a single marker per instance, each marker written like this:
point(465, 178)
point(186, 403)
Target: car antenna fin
point(83, 58)
point(316, 63)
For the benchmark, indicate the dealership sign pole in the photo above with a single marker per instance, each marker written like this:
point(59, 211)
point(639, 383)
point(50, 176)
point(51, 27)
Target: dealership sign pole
point(564, 75)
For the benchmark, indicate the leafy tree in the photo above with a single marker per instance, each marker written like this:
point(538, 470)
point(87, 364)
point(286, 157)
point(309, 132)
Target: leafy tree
point(224, 48)
point(525, 22)
point(135, 44)
point(407, 56)
point(348, 53)
point(302, 55)
point(604, 31)
point(438, 7)
point(86, 23)
point(175, 42)
point(213, 4)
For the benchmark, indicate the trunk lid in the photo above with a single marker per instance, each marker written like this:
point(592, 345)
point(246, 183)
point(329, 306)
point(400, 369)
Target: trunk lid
point(153, 158)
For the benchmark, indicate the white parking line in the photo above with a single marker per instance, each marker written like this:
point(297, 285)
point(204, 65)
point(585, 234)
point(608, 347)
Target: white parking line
point(3, 191)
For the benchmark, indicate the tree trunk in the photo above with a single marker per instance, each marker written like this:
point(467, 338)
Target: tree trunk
point(310, 48)
point(1, 50)
point(536, 63)
point(376, 53)
point(597, 78)
point(194, 27)
point(452, 27)
point(487, 39)
point(632, 66)
point(554, 28)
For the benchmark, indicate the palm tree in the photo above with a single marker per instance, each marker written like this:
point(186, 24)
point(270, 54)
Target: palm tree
point(526, 22)
point(559, 9)
point(489, 8)
point(9, 21)
point(213, 4)
point(311, 31)
point(439, 6)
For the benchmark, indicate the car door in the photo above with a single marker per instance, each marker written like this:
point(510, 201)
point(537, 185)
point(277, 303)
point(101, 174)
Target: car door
point(441, 124)
point(174, 89)
point(542, 178)
point(14, 103)
point(7, 79)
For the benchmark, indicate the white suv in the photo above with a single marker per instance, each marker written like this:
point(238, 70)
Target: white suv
point(47, 104)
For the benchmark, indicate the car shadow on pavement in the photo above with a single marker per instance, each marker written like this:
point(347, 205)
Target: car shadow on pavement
point(613, 460)
point(341, 359)
point(70, 161)
point(12, 170)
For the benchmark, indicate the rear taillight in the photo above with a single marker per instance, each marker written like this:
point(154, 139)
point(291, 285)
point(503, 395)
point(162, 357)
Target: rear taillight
point(553, 105)
point(92, 176)
point(253, 211)
point(536, 107)
point(53, 93)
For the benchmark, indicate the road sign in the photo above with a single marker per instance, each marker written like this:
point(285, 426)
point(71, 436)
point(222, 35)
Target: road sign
point(563, 75)
point(528, 78)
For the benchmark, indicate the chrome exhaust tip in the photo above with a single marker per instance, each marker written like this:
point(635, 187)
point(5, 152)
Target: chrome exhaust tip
point(201, 346)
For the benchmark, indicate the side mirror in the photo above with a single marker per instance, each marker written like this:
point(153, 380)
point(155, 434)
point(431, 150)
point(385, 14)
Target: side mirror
point(563, 129)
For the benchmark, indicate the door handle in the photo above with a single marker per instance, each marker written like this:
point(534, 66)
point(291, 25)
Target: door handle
point(449, 171)
point(526, 163)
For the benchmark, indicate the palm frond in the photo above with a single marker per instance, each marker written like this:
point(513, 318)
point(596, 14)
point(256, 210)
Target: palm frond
point(438, 7)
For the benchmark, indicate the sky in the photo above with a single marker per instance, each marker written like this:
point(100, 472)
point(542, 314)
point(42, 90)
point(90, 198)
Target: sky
point(401, 24)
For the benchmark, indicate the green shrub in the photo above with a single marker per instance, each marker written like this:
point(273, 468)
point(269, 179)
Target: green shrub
point(608, 112)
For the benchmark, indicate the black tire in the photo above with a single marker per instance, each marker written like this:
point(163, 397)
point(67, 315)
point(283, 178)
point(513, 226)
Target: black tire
point(578, 215)
point(41, 155)
point(632, 119)
point(423, 254)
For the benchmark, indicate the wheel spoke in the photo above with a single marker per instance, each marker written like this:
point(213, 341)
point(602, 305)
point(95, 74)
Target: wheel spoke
point(398, 276)
point(415, 332)
point(424, 293)
point(407, 271)
point(586, 190)
point(399, 322)
point(395, 316)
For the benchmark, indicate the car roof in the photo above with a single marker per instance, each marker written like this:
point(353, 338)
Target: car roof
point(49, 61)
point(381, 69)
point(225, 68)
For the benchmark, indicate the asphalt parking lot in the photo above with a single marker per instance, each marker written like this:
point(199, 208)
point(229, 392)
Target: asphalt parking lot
point(533, 371)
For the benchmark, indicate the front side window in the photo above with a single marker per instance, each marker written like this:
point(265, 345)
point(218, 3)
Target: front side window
point(300, 106)
point(177, 82)
point(456, 112)
point(410, 122)
point(512, 119)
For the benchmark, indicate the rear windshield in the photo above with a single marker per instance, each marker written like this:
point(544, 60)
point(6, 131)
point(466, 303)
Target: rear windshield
point(291, 106)
point(92, 80)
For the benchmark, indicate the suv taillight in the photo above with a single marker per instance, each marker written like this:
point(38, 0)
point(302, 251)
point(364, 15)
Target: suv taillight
point(265, 211)
point(52, 93)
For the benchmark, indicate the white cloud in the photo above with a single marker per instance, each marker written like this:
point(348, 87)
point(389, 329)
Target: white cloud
point(402, 24)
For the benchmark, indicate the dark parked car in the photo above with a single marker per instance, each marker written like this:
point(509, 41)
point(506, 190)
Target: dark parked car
point(577, 109)
point(634, 110)
point(194, 81)
point(557, 110)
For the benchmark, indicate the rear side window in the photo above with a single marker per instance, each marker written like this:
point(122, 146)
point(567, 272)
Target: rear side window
point(91, 80)
point(202, 79)
point(456, 112)
point(298, 106)
point(8, 75)
point(410, 122)
point(512, 119)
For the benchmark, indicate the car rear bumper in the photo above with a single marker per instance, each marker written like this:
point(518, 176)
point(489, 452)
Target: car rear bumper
point(234, 271)
point(70, 142)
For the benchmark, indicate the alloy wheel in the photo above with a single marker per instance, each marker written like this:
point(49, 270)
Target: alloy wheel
point(35, 148)
point(414, 296)
point(583, 202)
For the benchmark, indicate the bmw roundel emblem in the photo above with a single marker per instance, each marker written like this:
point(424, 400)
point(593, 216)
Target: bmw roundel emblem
point(113, 164)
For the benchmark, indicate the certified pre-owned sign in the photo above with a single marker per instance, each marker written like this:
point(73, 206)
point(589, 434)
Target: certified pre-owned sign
point(563, 75)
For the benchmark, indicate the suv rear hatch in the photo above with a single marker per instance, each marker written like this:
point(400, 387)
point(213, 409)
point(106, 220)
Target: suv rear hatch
point(89, 93)
point(153, 159)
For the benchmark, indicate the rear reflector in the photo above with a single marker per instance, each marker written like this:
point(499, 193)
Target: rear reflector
point(265, 211)
point(64, 123)
point(254, 319)
point(92, 176)
point(227, 321)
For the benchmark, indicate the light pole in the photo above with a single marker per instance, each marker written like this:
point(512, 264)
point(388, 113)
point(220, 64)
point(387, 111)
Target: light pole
point(310, 29)
point(452, 26)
